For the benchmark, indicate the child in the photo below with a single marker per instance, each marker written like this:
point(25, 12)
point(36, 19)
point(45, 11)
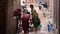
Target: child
point(30, 26)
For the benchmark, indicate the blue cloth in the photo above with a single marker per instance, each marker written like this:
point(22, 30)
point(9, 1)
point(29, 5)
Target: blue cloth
point(49, 27)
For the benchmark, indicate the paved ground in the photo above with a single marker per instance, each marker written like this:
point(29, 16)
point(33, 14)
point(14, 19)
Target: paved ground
point(44, 21)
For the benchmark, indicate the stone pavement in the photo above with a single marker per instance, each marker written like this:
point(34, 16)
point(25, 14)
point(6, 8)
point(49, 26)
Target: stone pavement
point(44, 21)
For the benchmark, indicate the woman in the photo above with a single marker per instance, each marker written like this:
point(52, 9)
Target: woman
point(25, 22)
point(18, 17)
point(37, 23)
point(34, 17)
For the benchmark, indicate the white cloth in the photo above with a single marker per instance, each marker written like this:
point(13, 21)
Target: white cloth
point(31, 25)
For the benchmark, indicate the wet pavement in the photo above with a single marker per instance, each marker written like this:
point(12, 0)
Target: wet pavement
point(44, 20)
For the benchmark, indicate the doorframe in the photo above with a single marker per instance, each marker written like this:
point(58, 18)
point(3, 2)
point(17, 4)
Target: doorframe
point(56, 14)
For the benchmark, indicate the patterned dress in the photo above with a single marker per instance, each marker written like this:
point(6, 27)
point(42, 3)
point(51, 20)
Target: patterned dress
point(25, 22)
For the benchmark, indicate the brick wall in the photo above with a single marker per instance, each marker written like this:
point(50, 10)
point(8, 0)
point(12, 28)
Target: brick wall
point(55, 10)
point(30, 1)
point(11, 23)
point(16, 4)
